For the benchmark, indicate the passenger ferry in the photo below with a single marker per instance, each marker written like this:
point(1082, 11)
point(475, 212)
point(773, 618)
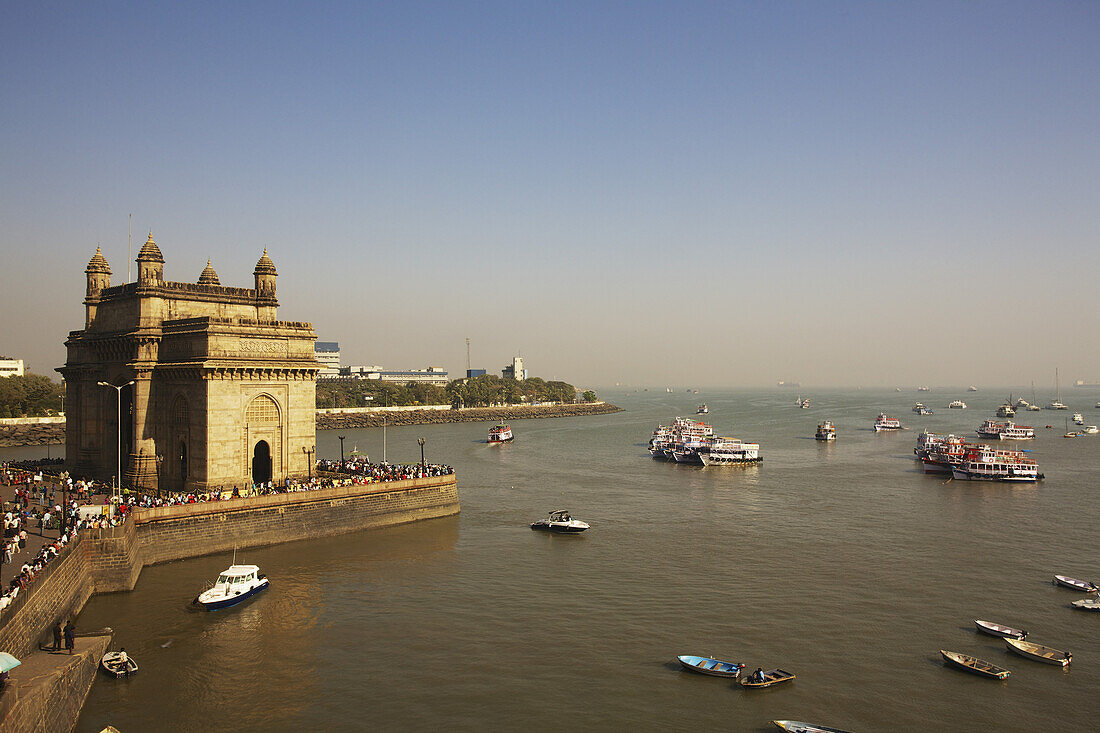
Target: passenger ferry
point(1006, 410)
point(982, 463)
point(944, 454)
point(924, 389)
point(730, 451)
point(702, 410)
point(957, 405)
point(803, 403)
point(1078, 419)
point(1005, 430)
point(882, 422)
point(825, 431)
point(921, 409)
point(500, 433)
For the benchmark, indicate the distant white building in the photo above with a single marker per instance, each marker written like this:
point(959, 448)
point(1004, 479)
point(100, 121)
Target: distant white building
point(328, 353)
point(515, 370)
point(11, 367)
point(432, 375)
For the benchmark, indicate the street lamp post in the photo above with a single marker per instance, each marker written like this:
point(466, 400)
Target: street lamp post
point(118, 390)
point(423, 466)
point(309, 457)
point(341, 438)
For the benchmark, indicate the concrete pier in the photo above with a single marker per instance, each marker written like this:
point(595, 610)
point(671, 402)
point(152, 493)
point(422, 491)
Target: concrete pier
point(46, 692)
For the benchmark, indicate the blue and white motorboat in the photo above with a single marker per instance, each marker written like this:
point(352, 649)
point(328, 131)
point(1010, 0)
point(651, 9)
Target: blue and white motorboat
point(710, 666)
point(234, 585)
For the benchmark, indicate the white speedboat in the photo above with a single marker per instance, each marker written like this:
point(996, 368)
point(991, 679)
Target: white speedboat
point(234, 585)
point(1091, 429)
point(560, 522)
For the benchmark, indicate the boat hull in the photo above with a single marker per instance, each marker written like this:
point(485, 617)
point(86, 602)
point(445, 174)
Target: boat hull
point(233, 600)
point(796, 726)
point(112, 666)
point(1074, 584)
point(1005, 632)
point(963, 475)
point(772, 677)
point(974, 665)
point(709, 666)
point(1039, 653)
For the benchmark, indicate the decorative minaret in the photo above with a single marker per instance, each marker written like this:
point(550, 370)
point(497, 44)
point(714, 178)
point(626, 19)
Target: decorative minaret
point(265, 288)
point(209, 276)
point(99, 279)
point(150, 264)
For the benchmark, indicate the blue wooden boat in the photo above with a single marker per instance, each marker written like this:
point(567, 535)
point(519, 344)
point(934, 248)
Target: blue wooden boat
point(797, 726)
point(709, 666)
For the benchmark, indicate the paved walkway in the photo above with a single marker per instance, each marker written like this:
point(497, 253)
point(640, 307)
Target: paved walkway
point(36, 537)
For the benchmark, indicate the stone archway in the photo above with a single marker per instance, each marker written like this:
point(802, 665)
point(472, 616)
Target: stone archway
point(261, 463)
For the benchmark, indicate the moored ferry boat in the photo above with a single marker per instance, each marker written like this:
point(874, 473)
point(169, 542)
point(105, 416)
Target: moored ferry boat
point(884, 422)
point(991, 429)
point(1006, 410)
point(957, 405)
point(500, 433)
point(1078, 419)
point(982, 463)
point(825, 431)
point(702, 409)
point(730, 451)
point(1012, 431)
point(924, 388)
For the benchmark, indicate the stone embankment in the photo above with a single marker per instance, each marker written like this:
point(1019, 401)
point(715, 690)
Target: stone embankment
point(54, 433)
point(44, 434)
point(469, 414)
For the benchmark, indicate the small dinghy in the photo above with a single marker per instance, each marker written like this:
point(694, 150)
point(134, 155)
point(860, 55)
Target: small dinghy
point(710, 666)
point(1039, 653)
point(233, 586)
point(560, 522)
point(760, 678)
point(1075, 584)
point(975, 665)
point(1087, 604)
point(988, 627)
point(118, 664)
point(795, 726)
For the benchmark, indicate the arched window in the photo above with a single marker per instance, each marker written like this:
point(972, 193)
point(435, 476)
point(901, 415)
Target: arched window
point(262, 410)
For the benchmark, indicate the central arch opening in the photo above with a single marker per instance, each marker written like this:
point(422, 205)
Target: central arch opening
point(261, 463)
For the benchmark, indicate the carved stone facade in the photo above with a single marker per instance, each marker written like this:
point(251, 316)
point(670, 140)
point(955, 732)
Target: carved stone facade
point(215, 392)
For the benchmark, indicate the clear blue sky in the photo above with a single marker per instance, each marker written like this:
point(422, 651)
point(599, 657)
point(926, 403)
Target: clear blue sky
point(690, 193)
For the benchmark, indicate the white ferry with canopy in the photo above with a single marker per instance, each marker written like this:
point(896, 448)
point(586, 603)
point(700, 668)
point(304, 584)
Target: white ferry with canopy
point(1007, 430)
point(730, 451)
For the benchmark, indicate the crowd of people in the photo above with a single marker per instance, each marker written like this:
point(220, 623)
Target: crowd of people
point(15, 543)
point(360, 469)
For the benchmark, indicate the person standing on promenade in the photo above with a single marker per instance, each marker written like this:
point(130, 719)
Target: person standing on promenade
point(57, 637)
point(70, 636)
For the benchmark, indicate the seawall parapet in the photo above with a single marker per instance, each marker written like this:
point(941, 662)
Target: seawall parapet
point(467, 414)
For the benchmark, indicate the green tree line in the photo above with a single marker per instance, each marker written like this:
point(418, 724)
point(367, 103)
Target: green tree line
point(488, 389)
point(31, 395)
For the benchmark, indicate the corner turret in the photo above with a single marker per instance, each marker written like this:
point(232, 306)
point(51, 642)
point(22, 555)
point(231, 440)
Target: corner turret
point(99, 279)
point(265, 288)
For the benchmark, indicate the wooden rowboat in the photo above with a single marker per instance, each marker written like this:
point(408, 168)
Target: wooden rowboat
point(709, 666)
point(1039, 653)
point(975, 665)
point(1075, 584)
point(988, 627)
point(771, 677)
point(1087, 604)
point(795, 726)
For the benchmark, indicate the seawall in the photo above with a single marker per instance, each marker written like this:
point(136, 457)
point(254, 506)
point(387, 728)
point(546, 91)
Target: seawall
point(468, 414)
point(53, 432)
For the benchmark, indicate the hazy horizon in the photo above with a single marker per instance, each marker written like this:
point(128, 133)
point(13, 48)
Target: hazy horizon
point(697, 194)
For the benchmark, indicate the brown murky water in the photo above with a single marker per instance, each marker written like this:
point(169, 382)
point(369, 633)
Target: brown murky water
point(842, 563)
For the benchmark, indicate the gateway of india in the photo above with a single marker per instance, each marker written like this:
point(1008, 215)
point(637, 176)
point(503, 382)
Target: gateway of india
point(189, 386)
